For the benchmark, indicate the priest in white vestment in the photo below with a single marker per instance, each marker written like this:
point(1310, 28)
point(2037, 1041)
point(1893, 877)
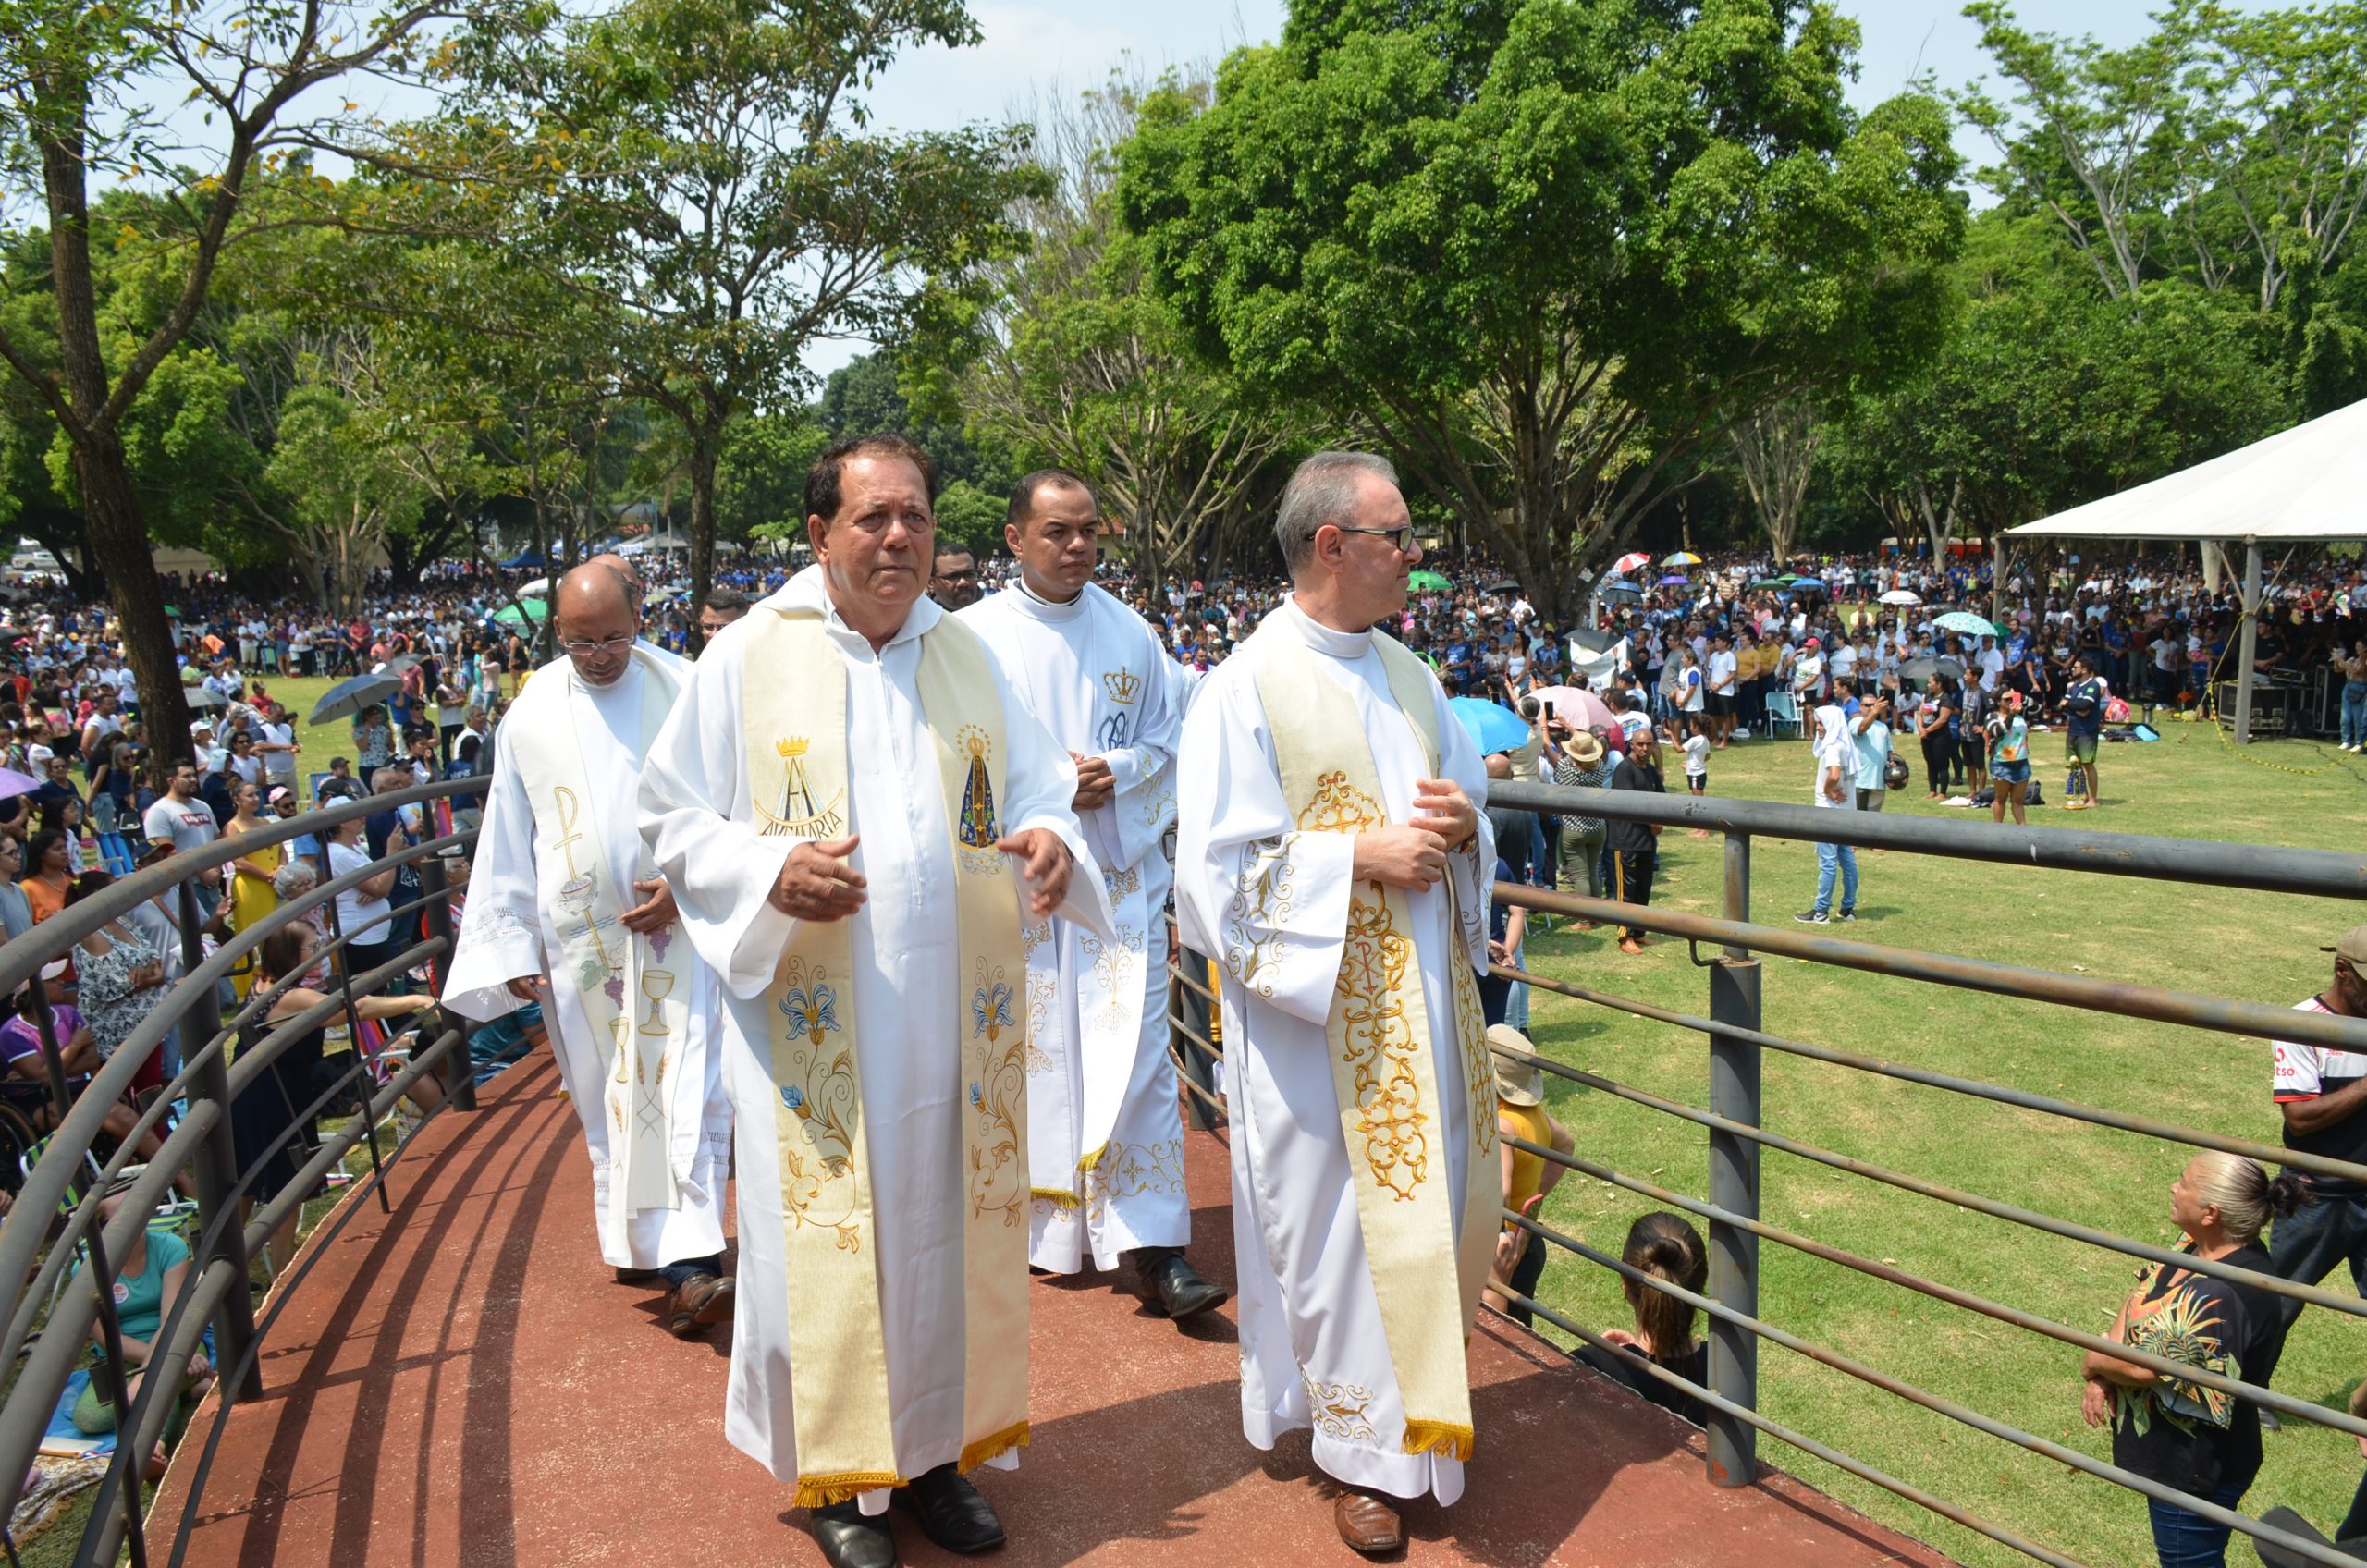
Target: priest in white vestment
point(1330, 858)
point(857, 814)
point(1105, 1132)
point(566, 910)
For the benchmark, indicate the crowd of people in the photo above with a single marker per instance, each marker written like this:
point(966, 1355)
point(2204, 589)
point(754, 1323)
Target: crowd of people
point(718, 812)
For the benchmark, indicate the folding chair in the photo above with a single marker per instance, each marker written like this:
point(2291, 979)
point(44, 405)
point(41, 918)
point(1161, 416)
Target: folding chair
point(1782, 708)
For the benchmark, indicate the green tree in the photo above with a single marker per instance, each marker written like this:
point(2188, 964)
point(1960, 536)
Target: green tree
point(1542, 250)
point(1081, 365)
point(345, 497)
point(703, 167)
point(72, 78)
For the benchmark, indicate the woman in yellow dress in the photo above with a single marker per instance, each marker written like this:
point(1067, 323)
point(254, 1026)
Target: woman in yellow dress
point(251, 894)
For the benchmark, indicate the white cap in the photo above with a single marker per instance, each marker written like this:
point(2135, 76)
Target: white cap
point(201, 727)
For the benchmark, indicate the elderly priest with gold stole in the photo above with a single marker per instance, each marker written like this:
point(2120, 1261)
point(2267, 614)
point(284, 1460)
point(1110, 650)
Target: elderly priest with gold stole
point(857, 814)
point(564, 890)
point(1330, 856)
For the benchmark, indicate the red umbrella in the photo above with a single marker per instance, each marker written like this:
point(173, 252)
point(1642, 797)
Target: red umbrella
point(1634, 561)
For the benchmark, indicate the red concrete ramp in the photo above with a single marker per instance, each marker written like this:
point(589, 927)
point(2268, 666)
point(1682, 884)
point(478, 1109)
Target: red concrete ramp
point(461, 1382)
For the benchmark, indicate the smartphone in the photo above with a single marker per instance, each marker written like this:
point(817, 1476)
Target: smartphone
point(1549, 710)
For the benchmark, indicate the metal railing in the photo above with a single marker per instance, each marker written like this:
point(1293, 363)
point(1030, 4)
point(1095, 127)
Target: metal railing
point(53, 1249)
point(1736, 1137)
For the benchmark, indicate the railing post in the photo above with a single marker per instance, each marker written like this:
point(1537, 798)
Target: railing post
point(462, 1090)
point(217, 1162)
point(1734, 1186)
point(1187, 1004)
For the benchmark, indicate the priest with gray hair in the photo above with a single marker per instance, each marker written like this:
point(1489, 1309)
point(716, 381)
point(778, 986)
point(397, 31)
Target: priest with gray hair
point(1331, 856)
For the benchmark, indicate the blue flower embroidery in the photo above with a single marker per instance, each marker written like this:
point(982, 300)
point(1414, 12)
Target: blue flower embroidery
point(991, 1010)
point(792, 1096)
point(974, 1093)
point(811, 1016)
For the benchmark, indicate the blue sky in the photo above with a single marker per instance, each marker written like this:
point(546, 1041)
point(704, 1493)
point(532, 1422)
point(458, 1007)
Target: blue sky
point(1035, 43)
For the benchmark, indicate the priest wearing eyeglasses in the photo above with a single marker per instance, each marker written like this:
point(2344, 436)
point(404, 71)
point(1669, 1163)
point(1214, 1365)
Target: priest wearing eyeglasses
point(566, 909)
point(1330, 857)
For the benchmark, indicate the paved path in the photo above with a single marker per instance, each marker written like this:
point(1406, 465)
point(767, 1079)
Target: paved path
point(462, 1383)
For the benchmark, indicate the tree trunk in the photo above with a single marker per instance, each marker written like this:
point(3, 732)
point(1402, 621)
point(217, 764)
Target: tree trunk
point(707, 452)
point(118, 549)
point(117, 534)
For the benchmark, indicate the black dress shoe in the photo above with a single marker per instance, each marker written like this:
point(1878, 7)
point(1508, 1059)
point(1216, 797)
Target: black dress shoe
point(1173, 1286)
point(848, 1539)
point(951, 1512)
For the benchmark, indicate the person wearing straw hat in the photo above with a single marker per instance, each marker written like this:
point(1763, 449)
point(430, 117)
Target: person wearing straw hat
point(1528, 1176)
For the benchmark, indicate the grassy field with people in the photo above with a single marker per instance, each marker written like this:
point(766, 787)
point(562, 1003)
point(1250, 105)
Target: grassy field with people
point(2256, 946)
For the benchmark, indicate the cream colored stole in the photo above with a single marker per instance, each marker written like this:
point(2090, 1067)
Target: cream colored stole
point(636, 1007)
point(795, 702)
point(1387, 1053)
point(1109, 986)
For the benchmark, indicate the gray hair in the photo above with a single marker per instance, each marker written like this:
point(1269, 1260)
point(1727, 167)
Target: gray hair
point(294, 878)
point(1321, 490)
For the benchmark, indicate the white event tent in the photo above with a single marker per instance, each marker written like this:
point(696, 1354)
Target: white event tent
point(2303, 485)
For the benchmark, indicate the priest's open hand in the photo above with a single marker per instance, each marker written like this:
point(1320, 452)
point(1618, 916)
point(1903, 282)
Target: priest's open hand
point(1441, 807)
point(1045, 863)
point(656, 913)
point(817, 881)
point(528, 987)
point(1401, 855)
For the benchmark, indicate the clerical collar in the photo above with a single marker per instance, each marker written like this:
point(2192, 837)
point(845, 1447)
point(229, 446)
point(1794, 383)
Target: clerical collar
point(1326, 640)
point(1059, 609)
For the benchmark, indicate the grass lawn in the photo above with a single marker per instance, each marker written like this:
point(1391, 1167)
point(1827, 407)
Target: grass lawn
point(321, 742)
point(2257, 946)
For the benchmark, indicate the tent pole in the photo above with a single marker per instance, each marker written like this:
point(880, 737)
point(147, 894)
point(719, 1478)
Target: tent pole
point(2250, 630)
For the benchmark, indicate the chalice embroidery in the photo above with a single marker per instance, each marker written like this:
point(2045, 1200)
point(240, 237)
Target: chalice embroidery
point(649, 1104)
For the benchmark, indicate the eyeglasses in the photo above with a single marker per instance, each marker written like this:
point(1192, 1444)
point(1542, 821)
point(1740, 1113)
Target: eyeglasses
point(1400, 539)
point(581, 650)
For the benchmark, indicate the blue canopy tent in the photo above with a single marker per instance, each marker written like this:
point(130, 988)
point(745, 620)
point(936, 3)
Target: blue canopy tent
point(522, 560)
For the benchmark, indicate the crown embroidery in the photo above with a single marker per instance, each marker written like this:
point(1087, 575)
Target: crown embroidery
point(1123, 685)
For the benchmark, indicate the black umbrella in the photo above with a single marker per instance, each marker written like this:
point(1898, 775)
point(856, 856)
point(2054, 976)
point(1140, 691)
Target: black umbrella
point(1504, 585)
point(350, 697)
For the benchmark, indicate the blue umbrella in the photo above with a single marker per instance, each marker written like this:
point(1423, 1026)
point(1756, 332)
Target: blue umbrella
point(1674, 580)
point(1813, 585)
point(1617, 584)
point(1493, 728)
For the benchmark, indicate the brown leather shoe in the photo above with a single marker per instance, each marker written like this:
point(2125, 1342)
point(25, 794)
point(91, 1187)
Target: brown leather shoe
point(698, 1300)
point(1368, 1524)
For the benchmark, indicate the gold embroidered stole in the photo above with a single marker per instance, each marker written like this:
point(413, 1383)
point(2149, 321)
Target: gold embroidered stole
point(795, 703)
point(1387, 1051)
point(637, 1008)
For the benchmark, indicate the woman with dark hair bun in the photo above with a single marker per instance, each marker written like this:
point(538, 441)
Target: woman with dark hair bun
point(2202, 1440)
point(1665, 1246)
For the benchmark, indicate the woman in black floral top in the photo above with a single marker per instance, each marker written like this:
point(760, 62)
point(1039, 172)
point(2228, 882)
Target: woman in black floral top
point(2202, 1440)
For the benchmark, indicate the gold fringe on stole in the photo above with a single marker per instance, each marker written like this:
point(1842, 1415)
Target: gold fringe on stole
point(1055, 1197)
point(821, 1491)
point(1089, 1161)
point(1002, 1442)
point(1441, 1436)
